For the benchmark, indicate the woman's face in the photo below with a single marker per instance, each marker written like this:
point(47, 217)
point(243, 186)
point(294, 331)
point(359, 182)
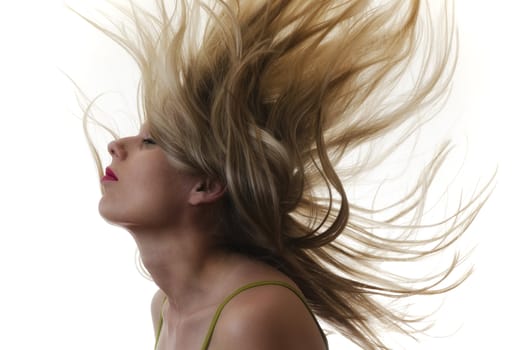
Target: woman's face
point(141, 188)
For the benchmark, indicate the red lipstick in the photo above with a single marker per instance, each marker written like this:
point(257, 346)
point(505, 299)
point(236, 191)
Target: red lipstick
point(109, 175)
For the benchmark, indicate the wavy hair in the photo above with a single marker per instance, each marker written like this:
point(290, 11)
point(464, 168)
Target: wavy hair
point(269, 97)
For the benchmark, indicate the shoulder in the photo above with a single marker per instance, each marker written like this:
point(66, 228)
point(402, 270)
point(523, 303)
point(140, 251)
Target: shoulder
point(267, 317)
point(155, 307)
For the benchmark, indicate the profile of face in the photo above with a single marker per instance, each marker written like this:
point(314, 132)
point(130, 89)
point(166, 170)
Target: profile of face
point(142, 189)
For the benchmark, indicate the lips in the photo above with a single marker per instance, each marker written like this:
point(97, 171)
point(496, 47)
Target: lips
point(109, 175)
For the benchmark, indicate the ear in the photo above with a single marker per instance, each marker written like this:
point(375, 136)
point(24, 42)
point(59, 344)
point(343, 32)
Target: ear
point(206, 191)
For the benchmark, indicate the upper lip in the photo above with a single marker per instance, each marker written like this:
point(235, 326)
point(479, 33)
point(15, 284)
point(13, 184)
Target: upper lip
point(109, 172)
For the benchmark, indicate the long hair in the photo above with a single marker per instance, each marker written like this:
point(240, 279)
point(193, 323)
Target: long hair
point(269, 97)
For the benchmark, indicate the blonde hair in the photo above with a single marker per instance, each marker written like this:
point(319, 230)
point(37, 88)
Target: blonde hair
point(268, 97)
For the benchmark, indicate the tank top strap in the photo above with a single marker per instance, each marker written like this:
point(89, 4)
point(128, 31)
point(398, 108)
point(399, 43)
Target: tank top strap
point(160, 323)
point(221, 307)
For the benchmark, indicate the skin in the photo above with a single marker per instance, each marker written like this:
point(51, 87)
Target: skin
point(172, 216)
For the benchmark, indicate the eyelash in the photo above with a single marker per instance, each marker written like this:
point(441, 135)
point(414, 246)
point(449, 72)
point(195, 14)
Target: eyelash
point(149, 141)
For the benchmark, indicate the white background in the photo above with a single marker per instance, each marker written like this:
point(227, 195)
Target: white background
point(68, 280)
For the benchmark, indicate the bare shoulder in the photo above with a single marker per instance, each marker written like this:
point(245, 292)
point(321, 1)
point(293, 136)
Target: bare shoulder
point(267, 317)
point(155, 307)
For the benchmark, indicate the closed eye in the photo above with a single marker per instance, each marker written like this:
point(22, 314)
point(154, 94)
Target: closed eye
point(149, 141)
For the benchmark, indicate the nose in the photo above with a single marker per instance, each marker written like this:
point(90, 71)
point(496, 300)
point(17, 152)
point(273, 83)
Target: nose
point(117, 149)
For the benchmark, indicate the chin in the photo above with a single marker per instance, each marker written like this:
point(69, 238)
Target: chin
point(110, 213)
point(118, 216)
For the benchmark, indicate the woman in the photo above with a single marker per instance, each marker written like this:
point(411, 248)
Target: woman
point(233, 189)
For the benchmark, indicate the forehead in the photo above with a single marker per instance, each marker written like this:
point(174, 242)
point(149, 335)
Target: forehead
point(144, 128)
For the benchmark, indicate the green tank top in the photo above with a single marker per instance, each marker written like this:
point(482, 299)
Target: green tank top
point(216, 316)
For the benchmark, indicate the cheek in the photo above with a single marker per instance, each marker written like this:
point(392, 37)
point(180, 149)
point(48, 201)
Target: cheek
point(145, 201)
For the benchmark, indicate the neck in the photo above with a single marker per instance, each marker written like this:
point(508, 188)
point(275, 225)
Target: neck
point(183, 264)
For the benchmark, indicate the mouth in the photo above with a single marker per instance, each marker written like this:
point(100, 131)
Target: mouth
point(109, 175)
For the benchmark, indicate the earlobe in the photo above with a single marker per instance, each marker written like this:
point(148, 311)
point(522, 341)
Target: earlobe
point(207, 191)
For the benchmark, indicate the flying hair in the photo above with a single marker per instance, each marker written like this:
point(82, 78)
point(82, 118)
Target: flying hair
point(270, 97)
